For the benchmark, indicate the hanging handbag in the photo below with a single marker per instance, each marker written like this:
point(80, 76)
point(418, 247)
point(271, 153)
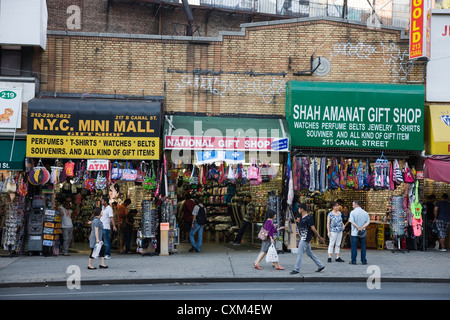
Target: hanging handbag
point(141, 172)
point(213, 173)
point(56, 172)
point(409, 178)
point(252, 171)
point(263, 234)
point(116, 172)
point(129, 174)
point(10, 184)
point(100, 182)
point(193, 179)
point(397, 175)
point(264, 172)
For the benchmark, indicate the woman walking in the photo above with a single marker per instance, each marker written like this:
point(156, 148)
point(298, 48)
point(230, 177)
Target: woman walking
point(95, 238)
point(335, 226)
point(272, 229)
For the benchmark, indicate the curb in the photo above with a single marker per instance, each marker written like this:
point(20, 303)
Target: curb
point(299, 279)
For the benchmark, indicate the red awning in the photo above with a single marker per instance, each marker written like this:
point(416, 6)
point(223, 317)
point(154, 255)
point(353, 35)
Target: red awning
point(437, 168)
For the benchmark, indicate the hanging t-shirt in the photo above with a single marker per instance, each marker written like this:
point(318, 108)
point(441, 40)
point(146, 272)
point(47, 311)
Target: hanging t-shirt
point(69, 168)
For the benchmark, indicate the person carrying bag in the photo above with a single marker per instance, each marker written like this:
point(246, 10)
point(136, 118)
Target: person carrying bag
point(95, 241)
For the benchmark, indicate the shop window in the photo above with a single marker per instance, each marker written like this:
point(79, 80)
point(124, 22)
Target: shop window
point(10, 61)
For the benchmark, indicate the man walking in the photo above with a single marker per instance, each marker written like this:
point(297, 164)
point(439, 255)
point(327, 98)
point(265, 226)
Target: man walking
point(107, 219)
point(246, 220)
point(359, 219)
point(442, 219)
point(306, 230)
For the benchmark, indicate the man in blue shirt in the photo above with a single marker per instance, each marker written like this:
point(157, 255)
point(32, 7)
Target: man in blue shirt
point(359, 220)
point(306, 230)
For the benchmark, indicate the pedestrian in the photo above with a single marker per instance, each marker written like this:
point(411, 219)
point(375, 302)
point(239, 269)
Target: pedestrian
point(431, 241)
point(95, 238)
point(246, 220)
point(128, 229)
point(272, 229)
point(187, 208)
point(359, 220)
point(335, 227)
point(197, 225)
point(347, 227)
point(442, 219)
point(306, 229)
point(107, 219)
point(66, 225)
point(123, 226)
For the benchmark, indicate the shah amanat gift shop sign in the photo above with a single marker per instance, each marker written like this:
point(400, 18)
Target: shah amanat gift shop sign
point(354, 115)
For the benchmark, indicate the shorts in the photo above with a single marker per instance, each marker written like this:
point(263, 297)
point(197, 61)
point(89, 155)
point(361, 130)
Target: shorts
point(442, 228)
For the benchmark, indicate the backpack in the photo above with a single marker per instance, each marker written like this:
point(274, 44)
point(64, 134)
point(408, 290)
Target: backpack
point(201, 215)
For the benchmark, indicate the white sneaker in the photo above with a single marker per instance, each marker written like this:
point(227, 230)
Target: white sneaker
point(107, 257)
point(442, 249)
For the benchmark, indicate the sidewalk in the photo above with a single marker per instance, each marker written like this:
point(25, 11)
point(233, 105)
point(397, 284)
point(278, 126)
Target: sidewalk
point(222, 262)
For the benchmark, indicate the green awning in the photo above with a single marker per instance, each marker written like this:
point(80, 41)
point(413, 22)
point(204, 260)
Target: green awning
point(18, 156)
point(226, 133)
point(356, 115)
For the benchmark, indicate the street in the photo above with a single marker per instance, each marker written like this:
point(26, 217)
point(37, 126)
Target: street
point(225, 291)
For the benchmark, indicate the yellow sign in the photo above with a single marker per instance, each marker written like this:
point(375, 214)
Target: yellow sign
point(77, 147)
point(95, 129)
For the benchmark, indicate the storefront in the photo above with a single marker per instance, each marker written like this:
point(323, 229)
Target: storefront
point(360, 141)
point(436, 165)
point(84, 150)
point(220, 160)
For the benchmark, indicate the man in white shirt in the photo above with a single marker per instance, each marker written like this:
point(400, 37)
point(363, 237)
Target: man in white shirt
point(107, 219)
point(359, 220)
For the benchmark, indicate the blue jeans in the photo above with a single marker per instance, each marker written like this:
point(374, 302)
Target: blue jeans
point(303, 247)
point(197, 228)
point(107, 242)
point(362, 242)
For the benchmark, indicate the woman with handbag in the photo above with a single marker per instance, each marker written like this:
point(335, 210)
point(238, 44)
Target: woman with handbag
point(271, 230)
point(96, 239)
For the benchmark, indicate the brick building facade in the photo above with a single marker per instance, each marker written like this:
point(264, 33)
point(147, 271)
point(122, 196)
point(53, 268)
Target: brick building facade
point(237, 72)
